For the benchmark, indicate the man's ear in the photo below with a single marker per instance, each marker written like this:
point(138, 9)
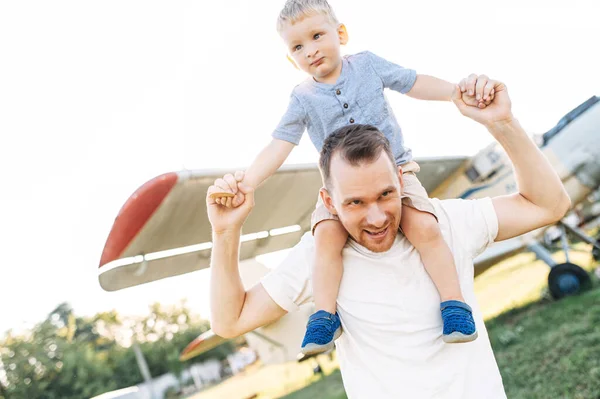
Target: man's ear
point(327, 200)
point(401, 179)
point(343, 34)
point(291, 61)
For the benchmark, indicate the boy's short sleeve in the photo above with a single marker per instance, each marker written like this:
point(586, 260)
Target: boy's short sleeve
point(289, 283)
point(293, 123)
point(392, 75)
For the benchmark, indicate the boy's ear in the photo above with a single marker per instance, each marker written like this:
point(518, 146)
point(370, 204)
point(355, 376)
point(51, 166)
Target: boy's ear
point(291, 61)
point(343, 34)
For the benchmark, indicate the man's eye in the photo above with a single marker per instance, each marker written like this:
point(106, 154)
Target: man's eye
point(355, 202)
point(317, 36)
point(385, 194)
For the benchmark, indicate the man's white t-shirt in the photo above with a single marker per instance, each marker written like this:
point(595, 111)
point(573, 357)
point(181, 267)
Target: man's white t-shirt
point(391, 346)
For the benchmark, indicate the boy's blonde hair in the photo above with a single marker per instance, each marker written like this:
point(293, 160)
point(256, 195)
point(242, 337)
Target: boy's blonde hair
point(295, 10)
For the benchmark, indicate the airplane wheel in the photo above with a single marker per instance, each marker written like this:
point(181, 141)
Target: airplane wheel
point(318, 370)
point(567, 279)
point(596, 252)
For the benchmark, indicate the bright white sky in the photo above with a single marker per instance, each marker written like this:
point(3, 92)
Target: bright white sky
point(98, 97)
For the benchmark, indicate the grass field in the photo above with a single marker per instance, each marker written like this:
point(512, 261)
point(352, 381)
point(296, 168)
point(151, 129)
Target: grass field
point(269, 382)
point(550, 349)
point(544, 349)
point(330, 387)
point(521, 280)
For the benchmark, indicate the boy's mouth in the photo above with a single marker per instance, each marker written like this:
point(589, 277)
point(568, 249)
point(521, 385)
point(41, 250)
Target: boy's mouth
point(317, 62)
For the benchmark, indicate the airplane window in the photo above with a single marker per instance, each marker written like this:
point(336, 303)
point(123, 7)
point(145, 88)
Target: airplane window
point(472, 174)
point(493, 157)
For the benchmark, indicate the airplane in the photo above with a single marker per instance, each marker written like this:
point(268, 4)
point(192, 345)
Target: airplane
point(162, 230)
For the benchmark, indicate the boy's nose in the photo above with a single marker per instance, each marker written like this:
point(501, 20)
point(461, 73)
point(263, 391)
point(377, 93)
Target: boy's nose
point(311, 52)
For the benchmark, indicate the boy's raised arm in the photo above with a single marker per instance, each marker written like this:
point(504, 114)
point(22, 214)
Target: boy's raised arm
point(434, 89)
point(267, 162)
point(431, 88)
point(264, 166)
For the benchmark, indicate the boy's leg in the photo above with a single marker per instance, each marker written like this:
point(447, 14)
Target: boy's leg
point(324, 325)
point(423, 232)
point(330, 238)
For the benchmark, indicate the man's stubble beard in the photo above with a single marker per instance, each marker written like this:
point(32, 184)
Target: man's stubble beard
point(393, 227)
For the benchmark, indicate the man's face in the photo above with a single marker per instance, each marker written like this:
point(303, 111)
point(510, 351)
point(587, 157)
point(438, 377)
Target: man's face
point(367, 200)
point(314, 45)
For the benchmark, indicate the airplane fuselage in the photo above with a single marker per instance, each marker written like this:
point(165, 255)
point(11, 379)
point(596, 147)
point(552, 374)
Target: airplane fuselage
point(574, 152)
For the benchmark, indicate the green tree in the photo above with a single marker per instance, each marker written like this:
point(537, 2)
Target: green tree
point(69, 357)
point(56, 359)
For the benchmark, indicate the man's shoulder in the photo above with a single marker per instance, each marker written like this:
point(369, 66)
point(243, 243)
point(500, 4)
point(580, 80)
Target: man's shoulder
point(307, 241)
point(305, 246)
point(472, 219)
point(288, 283)
point(459, 208)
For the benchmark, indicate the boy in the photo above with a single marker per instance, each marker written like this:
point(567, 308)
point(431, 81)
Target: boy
point(348, 90)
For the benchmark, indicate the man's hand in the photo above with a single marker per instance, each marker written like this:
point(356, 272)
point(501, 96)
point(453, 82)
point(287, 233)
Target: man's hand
point(226, 190)
point(222, 216)
point(470, 100)
point(478, 90)
point(496, 112)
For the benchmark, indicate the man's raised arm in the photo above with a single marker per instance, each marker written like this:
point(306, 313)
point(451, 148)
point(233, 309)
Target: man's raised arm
point(541, 199)
point(234, 311)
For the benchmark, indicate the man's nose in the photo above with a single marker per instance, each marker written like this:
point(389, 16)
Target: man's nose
point(375, 216)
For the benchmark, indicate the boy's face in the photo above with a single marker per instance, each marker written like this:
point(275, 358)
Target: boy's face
point(314, 45)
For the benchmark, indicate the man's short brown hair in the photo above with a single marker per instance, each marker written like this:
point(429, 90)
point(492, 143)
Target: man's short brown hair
point(356, 144)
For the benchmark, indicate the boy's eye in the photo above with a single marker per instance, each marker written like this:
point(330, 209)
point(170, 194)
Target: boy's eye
point(297, 47)
point(317, 36)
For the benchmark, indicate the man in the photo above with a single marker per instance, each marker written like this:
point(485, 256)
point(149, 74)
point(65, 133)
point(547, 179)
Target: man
point(389, 308)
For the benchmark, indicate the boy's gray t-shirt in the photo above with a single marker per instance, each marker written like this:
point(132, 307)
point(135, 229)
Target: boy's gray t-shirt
point(356, 97)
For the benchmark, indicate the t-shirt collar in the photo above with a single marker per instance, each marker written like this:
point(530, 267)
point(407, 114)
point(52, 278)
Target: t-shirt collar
point(367, 252)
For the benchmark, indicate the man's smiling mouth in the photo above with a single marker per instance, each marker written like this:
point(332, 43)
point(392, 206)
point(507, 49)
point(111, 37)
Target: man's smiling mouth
point(378, 233)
